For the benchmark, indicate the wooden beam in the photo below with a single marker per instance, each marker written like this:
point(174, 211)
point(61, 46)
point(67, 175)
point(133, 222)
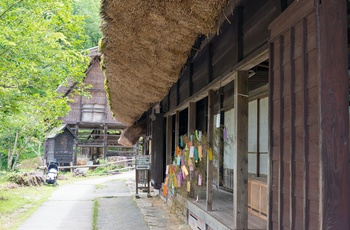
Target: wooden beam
point(271, 143)
point(190, 82)
point(334, 117)
point(76, 144)
point(292, 131)
point(191, 127)
point(105, 129)
point(240, 181)
point(177, 126)
point(210, 63)
point(177, 85)
point(238, 41)
point(305, 128)
point(281, 144)
point(209, 188)
point(258, 138)
point(169, 142)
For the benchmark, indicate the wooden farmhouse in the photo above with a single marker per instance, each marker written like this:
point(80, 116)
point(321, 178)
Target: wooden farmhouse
point(95, 131)
point(246, 104)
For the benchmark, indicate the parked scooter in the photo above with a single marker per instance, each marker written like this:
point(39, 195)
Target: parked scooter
point(52, 173)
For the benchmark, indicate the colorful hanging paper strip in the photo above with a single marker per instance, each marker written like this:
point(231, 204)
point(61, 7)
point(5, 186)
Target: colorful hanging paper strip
point(179, 179)
point(199, 180)
point(195, 154)
point(199, 135)
point(210, 154)
point(177, 151)
point(192, 151)
point(200, 152)
point(165, 190)
point(184, 169)
point(189, 162)
point(175, 182)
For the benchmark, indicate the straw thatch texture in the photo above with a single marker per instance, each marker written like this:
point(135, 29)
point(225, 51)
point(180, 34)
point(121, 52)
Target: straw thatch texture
point(145, 45)
point(131, 134)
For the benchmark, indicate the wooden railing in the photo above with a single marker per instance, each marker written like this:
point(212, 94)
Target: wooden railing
point(72, 167)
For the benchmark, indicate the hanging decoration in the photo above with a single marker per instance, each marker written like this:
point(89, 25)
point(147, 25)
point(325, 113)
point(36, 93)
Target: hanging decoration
point(184, 176)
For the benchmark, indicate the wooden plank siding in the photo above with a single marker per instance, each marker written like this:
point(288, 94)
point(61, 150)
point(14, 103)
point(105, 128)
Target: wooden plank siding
point(303, 132)
point(184, 86)
point(257, 16)
point(200, 70)
point(294, 100)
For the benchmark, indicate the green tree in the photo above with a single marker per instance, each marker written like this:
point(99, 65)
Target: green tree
point(89, 9)
point(40, 48)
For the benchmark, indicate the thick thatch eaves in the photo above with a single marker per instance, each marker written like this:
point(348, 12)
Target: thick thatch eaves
point(145, 45)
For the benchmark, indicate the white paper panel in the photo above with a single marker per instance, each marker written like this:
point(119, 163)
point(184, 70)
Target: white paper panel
point(264, 118)
point(252, 163)
point(252, 126)
point(264, 164)
point(229, 143)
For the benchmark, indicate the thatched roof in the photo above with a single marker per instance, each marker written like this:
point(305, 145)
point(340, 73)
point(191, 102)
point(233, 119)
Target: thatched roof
point(145, 45)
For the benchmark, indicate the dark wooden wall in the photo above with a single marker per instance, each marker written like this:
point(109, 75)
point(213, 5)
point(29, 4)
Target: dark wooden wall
point(243, 32)
point(64, 143)
point(299, 141)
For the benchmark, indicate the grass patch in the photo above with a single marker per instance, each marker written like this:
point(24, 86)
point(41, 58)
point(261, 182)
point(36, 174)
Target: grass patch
point(95, 215)
point(100, 186)
point(17, 204)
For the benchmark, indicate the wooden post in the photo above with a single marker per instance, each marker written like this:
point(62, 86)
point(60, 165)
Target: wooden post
point(76, 142)
point(209, 191)
point(240, 182)
point(105, 129)
point(177, 126)
point(71, 167)
point(334, 117)
point(169, 142)
point(191, 127)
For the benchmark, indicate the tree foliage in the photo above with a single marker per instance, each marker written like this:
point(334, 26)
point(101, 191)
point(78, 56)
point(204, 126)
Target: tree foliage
point(40, 48)
point(89, 9)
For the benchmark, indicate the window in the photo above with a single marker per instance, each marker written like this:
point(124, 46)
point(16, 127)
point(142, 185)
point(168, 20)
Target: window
point(258, 137)
point(93, 113)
